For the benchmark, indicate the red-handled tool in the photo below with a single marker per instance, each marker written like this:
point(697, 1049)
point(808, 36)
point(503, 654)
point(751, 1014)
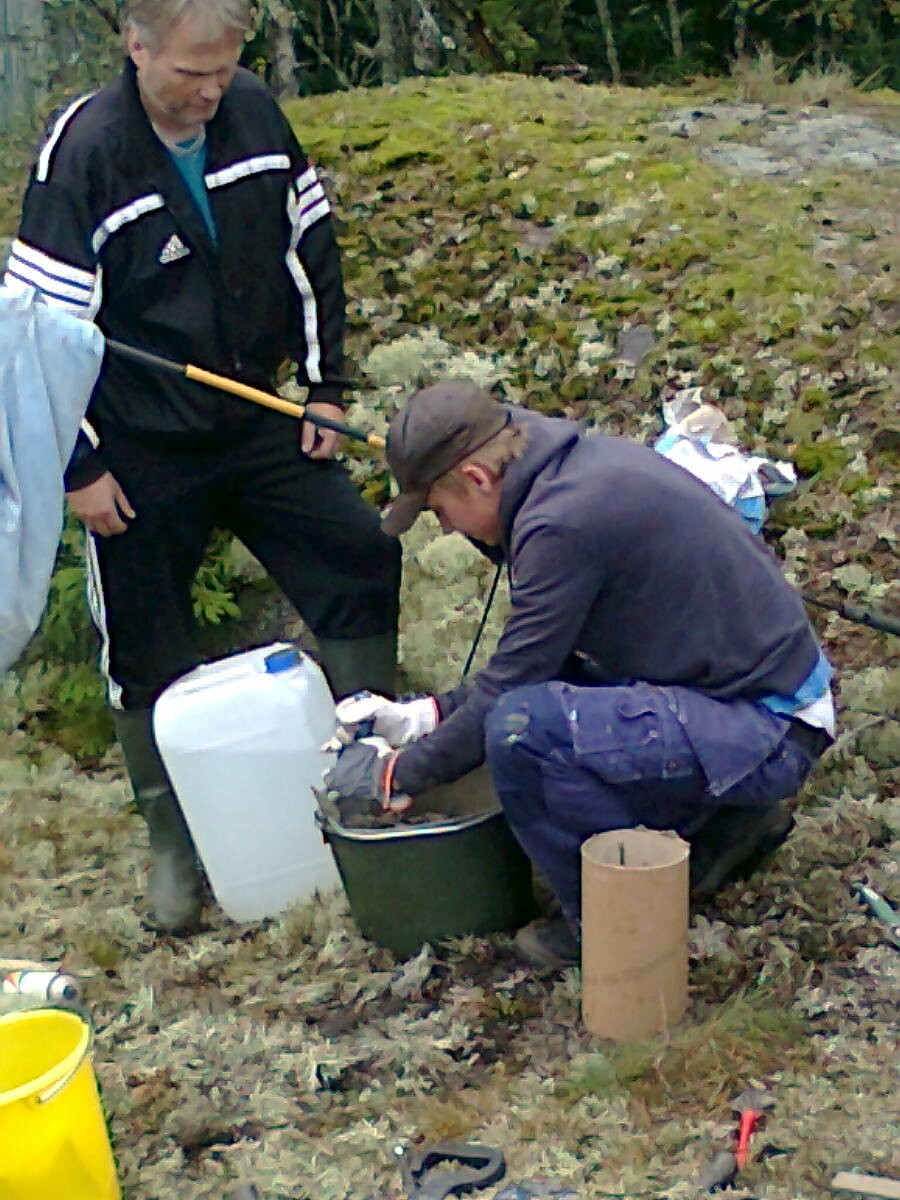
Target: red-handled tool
point(751, 1107)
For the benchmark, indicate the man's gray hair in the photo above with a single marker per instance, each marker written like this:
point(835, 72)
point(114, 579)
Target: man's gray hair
point(153, 20)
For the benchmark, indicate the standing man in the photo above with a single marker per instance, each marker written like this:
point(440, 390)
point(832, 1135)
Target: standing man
point(656, 669)
point(175, 208)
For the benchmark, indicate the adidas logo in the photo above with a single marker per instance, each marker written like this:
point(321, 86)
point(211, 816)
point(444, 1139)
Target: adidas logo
point(173, 250)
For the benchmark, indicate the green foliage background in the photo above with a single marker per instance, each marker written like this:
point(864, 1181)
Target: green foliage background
point(651, 41)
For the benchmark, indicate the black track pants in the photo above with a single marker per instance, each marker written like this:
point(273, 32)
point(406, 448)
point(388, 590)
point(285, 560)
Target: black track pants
point(304, 520)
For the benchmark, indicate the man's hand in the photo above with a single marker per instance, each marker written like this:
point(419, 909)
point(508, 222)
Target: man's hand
point(362, 776)
point(315, 440)
point(399, 722)
point(102, 506)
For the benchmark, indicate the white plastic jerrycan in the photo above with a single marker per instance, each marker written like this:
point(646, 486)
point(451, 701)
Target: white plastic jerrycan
point(242, 741)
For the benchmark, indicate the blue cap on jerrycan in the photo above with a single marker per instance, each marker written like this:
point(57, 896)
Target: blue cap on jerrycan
point(282, 660)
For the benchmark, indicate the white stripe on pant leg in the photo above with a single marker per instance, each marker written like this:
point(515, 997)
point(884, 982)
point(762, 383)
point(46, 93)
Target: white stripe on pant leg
point(97, 606)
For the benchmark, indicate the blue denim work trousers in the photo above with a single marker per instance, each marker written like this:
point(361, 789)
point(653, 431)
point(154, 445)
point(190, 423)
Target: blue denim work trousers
point(568, 762)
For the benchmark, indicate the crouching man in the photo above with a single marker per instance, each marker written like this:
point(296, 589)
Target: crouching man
point(656, 668)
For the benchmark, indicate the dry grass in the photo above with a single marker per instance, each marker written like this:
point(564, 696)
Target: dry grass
point(700, 1065)
point(298, 1055)
point(766, 80)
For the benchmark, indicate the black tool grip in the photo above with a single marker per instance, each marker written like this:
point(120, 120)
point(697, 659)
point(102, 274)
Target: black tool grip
point(860, 616)
point(469, 1166)
point(877, 620)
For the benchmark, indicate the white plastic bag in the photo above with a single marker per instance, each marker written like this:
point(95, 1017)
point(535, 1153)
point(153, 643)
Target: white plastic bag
point(697, 437)
point(49, 362)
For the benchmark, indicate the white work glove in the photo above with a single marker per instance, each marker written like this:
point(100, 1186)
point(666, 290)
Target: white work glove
point(397, 721)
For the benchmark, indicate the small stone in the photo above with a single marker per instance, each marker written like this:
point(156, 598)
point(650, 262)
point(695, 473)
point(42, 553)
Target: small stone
point(634, 344)
point(597, 166)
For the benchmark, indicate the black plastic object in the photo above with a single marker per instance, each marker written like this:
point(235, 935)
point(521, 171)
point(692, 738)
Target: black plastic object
point(451, 1169)
point(410, 884)
point(884, 622)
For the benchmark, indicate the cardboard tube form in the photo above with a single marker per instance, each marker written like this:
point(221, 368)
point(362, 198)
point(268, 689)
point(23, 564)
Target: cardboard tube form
point(634, 920)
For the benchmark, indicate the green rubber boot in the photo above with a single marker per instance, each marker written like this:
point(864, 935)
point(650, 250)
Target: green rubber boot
point(175, 887)
point(356, 664)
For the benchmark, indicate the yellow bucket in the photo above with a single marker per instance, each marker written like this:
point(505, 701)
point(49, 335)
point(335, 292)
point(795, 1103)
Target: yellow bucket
point(53, 1139)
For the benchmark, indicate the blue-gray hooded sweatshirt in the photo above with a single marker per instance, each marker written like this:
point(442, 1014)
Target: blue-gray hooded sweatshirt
point(622, 558)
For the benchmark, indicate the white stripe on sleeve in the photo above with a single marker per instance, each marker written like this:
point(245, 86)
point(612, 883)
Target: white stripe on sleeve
point(308, 217)
point(42, 170)
point(310, 195)
point(312, 189)
point(90, 433)
point(35, 271)
point(53, 268)
point(309, 177)
point(17, 286)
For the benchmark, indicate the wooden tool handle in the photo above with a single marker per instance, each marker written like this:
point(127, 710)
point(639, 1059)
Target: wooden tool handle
point(244, 390)
point(866, 1185)
point(278, 403)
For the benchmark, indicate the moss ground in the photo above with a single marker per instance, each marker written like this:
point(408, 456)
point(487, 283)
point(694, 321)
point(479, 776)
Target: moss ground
point(511, 230)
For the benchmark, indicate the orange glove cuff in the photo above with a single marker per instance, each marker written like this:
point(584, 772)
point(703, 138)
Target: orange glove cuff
point(387, 779)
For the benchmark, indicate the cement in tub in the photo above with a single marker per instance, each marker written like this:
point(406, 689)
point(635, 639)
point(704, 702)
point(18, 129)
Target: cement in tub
point(409, 884)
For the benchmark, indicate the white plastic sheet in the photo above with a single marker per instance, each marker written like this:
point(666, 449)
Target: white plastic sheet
point(49, 362)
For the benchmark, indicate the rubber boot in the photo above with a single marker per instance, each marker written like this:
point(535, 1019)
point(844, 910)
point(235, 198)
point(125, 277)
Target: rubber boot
point(358, 664)
point(733, 843)
point(174, 891)
point(548, 942)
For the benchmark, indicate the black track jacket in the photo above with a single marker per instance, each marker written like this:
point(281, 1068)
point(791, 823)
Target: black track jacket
point(109, 231)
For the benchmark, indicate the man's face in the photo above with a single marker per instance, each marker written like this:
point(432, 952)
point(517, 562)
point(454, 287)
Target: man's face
point(472, 508)
point(183, 79)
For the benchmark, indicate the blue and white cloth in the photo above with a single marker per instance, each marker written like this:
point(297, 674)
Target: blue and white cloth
point(696, 437)
point(49, 361)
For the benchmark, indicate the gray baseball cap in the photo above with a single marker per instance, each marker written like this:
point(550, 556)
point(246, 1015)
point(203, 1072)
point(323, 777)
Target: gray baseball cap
point(439, 427)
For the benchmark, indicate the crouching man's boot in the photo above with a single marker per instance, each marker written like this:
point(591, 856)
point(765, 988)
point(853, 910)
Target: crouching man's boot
point(733, 843)
point(174, 892)
point(548, 942)
point(357, 664)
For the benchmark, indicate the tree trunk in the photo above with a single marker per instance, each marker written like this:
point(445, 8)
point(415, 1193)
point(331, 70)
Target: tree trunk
point(395, 38)
point(426, 41)
point(282, 55)
point(475, 33)
point(675, 30)
point(740, 33)
point(612, 56)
